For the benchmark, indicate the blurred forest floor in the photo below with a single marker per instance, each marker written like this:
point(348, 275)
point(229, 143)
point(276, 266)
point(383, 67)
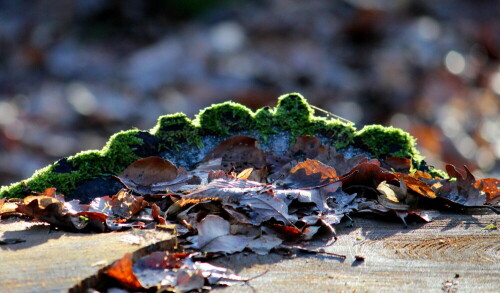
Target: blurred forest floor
point(74, 72)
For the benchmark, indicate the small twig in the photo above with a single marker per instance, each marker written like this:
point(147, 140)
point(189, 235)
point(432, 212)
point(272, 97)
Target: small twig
point(321, 251)
point(494, 209)
point(331, 114)
point(258, 276)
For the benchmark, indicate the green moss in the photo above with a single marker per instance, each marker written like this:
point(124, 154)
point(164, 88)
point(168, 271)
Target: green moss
point(175, 129)
point(45, 178)
point(293, 108)
point(340, 134)
point(264, 122)
point(292, 114)
point(225, 118)
point(112, 159)
point(388, 141)
point(119, 151)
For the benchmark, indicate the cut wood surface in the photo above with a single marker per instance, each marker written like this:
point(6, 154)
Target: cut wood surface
point(451, 254)
point(54, 261)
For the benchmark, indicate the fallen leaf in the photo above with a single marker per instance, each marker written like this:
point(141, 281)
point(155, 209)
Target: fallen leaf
point(238, 152)
point(463, 190)
point(149, 171)
point(402, 165)
point(256, 199)
point(214, 236)
point(307, 147)
point(153, 175)
point(490, 227)
point(310, 174)
point(368, 174)
point(416, 185)
point(490, 186)
point(393, 197)
point(263, 244)
point(338, 160)
point(122, 271)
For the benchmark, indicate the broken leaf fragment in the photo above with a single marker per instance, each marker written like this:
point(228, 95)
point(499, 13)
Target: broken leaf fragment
point(169, 271)
point(214, 236)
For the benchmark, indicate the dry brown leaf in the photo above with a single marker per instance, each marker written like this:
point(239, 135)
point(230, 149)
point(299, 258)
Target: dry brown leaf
point(463, 190)
point(238, 152)
point(310, 174)
point(416, 185)
point(122, 271)
point(149, 171)
point(307, 147)
point(490, 186)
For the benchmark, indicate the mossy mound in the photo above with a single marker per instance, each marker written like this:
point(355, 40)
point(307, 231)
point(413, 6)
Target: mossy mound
point(292, 115)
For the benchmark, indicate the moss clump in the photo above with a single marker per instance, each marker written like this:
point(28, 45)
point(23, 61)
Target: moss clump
point(174, 130)
point(341, 134)
point(292, 114)
point(119, 151)
point(264, 121)
point(224, 119)
point(112, 159)
point(388, 141)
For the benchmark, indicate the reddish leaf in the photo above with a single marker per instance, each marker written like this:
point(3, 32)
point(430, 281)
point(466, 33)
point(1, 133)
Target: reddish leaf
point(416, 185)
point(397, 164)
point(424, 175)
point(463, 190)
point(288, 231)
point(122, 271)
point(368, 174)
point(156, 214)
point(125, 205)
point(490, 186)
point(310, 174)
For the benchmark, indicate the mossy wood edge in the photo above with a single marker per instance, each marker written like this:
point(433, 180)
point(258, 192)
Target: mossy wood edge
point(292, 114)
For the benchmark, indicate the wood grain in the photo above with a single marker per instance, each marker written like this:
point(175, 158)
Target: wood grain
point(450, 254)
point(54, 261)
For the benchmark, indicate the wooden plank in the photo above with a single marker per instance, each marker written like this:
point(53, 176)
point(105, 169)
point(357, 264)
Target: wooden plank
point(424, 258)
point(54, 261)
point(451, 254)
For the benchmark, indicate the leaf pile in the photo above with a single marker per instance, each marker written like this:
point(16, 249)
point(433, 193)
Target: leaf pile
point(241, 198)
point(165, 271)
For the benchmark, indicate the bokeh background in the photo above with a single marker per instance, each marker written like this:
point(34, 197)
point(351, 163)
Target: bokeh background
point(74, 72)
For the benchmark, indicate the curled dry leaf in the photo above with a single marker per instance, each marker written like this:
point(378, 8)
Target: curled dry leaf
point(310, 174)
point(463, 190)
point(368, 174)
point(393, 197)
point(416, 185)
